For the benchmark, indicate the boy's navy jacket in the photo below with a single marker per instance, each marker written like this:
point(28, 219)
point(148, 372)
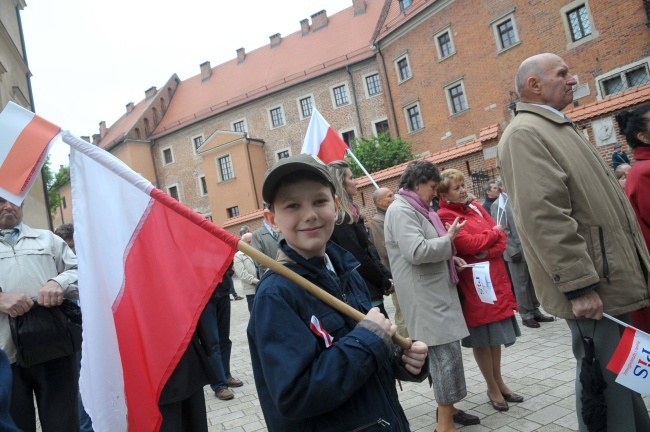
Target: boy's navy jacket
point(304, 386)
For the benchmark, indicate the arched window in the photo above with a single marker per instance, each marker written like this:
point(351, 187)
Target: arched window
point(137, 133)
point(147, 130)
point(162, 104)
point(155, 116)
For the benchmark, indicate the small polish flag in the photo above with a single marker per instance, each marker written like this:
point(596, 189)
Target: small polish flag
point(323, 141)
point(320, 331)
point(25, 140)
point(631, 361)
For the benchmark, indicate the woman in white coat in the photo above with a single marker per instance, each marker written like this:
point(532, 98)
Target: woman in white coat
point(246, 271)
point(421, 255)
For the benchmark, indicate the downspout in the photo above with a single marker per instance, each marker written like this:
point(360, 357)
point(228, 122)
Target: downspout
point(31, 101)
point(250, 167)
point(356, 105)
point(390, 95)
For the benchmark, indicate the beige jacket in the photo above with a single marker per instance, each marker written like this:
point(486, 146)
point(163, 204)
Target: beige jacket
point(419, 263)
point(574, 220)
point(245, 270)
point(37, 256)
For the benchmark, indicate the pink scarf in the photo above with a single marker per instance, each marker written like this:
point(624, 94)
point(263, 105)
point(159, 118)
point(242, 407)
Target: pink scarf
point(423, 207)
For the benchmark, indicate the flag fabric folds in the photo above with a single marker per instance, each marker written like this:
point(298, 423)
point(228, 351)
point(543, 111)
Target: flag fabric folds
point(25, 139)
point(631, 361)
point(147, 267)
point(323, 141)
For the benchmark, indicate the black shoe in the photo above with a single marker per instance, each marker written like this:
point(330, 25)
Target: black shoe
point(544, 318)
point(461, 417)
point(532, 323)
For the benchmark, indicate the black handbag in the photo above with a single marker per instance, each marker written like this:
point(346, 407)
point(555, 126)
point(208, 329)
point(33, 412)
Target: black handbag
point(46, 333)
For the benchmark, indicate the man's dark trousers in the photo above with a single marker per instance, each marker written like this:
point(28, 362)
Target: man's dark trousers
point(216, 319)
point(55, 384)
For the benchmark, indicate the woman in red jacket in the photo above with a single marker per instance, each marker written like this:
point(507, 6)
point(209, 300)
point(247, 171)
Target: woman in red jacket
point(490, 325)
point(635, 125)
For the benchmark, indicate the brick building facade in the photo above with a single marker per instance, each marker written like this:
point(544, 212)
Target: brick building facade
point(428, 71)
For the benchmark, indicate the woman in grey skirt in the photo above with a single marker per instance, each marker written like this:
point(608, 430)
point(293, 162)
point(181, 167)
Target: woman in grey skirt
point(491, 323)
point(421, 254)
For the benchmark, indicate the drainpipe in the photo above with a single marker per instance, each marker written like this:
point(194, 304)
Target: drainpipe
point(356, 105)
point(250, 166)
point(390, 96)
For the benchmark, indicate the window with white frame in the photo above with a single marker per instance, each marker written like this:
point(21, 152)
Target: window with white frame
point(578, 23)
point(340, 94)
point(380, 127)
point(403, 68)
point(405, 4)
point(233, 211)
point(198, 141)
point(173, 192)
point(281, 154)
point(167, 156)
point(203, 185)
point(624, 78)
point(413, 117)
point(456, 97)
point(277, 117)
point(239, 126)
point(505, 32)
point(444, 43)
point(373, 84)
point(226, 171)
point(306, 106)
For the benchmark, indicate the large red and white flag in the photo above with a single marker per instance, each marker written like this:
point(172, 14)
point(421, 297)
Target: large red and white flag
point(25, 140)
point(631, 361)
point(323, 141)
point(147, 267)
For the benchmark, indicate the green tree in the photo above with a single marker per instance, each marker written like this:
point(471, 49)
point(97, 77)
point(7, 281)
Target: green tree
point(54, 182)
point(378, 153)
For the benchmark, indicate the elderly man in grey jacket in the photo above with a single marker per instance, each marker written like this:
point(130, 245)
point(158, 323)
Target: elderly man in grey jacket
point(527, 301)
point(584, 247)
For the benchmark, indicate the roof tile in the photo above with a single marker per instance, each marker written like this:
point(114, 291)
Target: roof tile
point(631, 97)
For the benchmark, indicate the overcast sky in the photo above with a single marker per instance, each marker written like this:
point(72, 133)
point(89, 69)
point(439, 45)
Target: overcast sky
point(89, 59)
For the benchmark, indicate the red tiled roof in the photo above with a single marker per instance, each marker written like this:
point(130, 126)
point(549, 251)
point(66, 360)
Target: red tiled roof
point(344, 41)
point(436, 158)
point(243, 218)
point(610, 104)
point(488, 133)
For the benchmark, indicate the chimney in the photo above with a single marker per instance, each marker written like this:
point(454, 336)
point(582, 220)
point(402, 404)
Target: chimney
point(102, 129)
point(241, 55)
point(129, 107)
point(359, 7)
point(319, 20)
point(275, 40)
point(304, 27)
point(96, 139)
point(151, 91)
point(206, 71)
point(86, 138)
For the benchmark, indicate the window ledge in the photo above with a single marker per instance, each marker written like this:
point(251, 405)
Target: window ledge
point(342, 106)
point(277, 127)
point(441, 59)
point(502, 50)
point(404, 80)
point(585, 39)
point(460, 113)
point(417, 130)
point(226, 181)
point(375, 95)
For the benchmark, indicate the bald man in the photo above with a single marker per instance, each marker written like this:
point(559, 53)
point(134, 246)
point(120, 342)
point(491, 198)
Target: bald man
point(383, 197)
point(582, 242)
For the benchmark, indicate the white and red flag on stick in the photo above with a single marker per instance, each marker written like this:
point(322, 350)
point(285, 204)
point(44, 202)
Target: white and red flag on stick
point(25, 140)
point(147, 267)
point(323, 141)
point(631, 361)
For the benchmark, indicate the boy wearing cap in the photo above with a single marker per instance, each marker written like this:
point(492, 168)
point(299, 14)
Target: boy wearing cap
point(316, 369)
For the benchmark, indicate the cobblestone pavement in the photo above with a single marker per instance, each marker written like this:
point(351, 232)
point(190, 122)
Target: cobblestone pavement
point(540, 366)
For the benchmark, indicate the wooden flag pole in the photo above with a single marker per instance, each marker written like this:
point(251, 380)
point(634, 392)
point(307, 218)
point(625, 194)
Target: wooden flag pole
point(313, 289)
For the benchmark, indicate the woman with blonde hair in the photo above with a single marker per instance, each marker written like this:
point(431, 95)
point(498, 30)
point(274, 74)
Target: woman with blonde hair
point(490, 325)
point(350, 233)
